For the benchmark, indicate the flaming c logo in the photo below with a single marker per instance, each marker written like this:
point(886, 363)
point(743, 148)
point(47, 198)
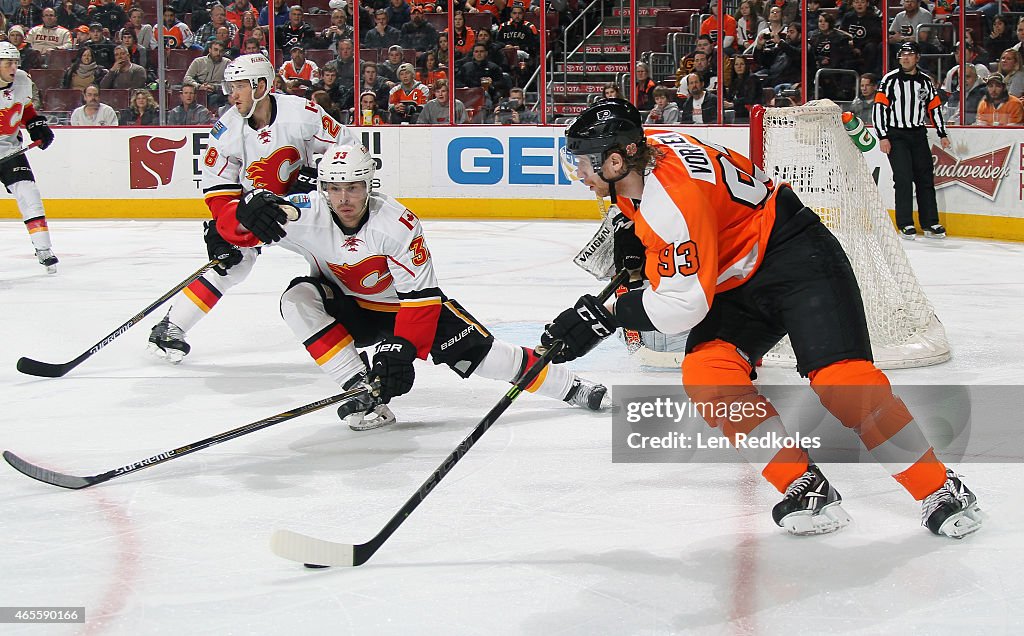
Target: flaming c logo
point(151, 161)
point(267, 172)
point(10, 119)
point(368, 276)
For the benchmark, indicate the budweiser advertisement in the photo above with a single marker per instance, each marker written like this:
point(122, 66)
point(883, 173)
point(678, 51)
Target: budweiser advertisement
point(981, 173)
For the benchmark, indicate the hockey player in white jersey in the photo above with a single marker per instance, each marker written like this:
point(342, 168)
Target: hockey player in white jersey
point(256, 150)
point(16, 110)
point(372, 281)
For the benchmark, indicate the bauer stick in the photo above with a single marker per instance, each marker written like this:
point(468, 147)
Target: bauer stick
point(20, 151)
point(48, 370)
point(315, 552)
point(75, 483)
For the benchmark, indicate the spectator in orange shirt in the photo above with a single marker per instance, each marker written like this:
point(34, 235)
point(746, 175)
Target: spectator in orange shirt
point(238, 9)
point(299, 72)
point(464, 38)
point(998, 107)
point(643, 98)
point(407, 97)
point(431, 71)
point(710, 27)
point(368, 113)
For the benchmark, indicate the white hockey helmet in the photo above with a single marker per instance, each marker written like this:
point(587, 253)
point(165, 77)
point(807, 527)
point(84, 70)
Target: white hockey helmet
point(346, 163)
point(9, 52)
point(252, 67)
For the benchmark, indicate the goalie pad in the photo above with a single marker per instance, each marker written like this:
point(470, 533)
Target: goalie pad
point(597, 257)
point(661, 350)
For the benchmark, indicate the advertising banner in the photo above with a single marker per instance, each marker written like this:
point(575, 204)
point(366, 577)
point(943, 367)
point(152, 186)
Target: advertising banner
point(472, 171)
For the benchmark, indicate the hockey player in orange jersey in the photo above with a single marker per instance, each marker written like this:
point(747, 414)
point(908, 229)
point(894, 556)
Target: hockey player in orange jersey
point(740, 262)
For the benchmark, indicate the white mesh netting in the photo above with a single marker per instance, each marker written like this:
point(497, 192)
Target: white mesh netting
point(808, 147)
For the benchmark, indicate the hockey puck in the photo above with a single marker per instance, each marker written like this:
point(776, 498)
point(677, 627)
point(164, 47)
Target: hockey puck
point(314, 566)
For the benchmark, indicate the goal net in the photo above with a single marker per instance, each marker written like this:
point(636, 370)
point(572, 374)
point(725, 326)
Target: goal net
point(808, 147)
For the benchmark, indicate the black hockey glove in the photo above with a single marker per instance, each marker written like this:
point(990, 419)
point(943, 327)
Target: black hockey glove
point(581, 328)
point(229, 255)
point(261, 213)
point(628, 250)
point(305, 181)
point(39, 131)
point(392, 367)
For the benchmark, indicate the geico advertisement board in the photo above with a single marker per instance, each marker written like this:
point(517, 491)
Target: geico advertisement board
point(519, 161)
point(471, 161)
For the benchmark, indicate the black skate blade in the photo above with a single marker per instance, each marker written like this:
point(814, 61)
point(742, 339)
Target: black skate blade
point(46, 476)
point(29, 366)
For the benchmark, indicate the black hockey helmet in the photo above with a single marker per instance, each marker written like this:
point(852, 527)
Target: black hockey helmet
point(607, 124)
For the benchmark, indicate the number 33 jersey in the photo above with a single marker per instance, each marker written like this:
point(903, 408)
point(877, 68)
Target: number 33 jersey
point(704, 219)
point(385, 264)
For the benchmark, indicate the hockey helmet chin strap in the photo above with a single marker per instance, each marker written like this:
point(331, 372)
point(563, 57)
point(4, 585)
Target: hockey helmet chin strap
point(255, 83)
point(630, 150)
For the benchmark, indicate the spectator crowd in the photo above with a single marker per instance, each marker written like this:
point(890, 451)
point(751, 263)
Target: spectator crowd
point(98, 62)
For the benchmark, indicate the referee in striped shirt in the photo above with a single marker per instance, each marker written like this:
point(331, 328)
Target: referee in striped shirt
point(905, 100)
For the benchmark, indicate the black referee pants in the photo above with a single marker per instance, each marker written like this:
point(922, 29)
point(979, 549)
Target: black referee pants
point(911, 161)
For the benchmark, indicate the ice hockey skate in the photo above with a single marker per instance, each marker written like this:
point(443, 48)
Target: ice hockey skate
point(47, 260)
point(935, 231)
point(587, 395)
point(364, 412)
point(167, 341)
point(952, 510)
point(811, 506)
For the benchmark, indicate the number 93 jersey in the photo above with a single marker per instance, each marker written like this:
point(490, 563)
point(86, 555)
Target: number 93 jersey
point(704, 219)
point(384, 264)
point(240, 158)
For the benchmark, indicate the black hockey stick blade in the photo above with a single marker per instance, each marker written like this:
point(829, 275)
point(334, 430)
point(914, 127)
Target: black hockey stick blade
point(29, 366)
point(47, 476)
point(76, 483)
point(314, 552)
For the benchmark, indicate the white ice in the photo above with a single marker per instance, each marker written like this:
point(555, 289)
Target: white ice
point(536, 531)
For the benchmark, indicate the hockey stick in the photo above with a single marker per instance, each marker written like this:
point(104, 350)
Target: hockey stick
point(48, 370)
point(315, 552)
point(20, 151)
point(75, 483)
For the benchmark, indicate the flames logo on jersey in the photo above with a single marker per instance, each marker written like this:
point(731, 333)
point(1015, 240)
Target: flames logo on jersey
point(269, 172)
point(151, 161)
point(368, 276)
point(10, 119)
point(351, 243)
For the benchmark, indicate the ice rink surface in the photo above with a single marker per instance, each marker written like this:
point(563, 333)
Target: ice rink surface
point(536, 531)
